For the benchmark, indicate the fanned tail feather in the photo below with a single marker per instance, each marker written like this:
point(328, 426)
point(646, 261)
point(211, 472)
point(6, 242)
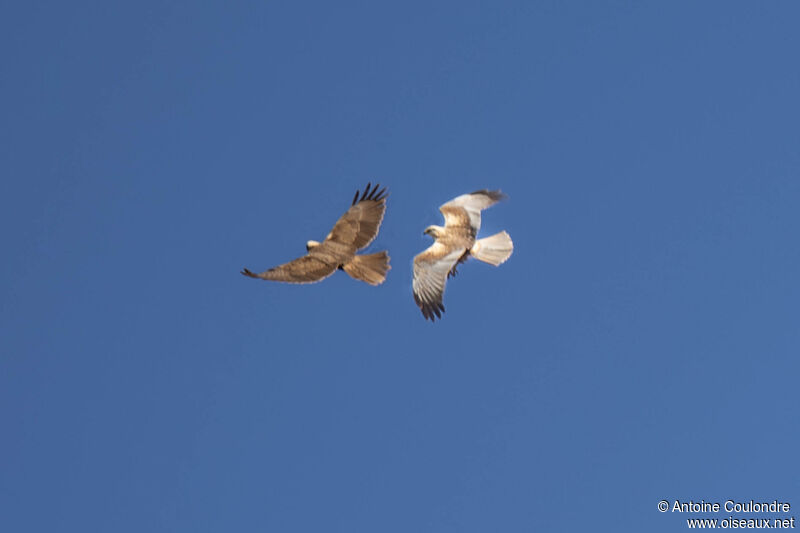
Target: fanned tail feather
point(495, 249)
point(370, 268)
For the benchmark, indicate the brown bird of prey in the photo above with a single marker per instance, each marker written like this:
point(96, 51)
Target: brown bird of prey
point(452, 245)
point(353, 231)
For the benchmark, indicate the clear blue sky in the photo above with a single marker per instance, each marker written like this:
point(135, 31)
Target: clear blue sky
point(641, 344)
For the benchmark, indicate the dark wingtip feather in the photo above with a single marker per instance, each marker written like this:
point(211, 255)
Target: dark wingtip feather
point(366, 192)
point(494, 195)
point(432, 311)
point(370, 193)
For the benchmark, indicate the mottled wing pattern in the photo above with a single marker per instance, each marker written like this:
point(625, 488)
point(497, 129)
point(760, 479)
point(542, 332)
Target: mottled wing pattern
point(306, 269)
point(469, 205)
point(360, 224)
point(430, 275)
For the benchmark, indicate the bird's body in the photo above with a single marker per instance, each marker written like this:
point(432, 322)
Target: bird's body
point(355, 230)
point(454, 244)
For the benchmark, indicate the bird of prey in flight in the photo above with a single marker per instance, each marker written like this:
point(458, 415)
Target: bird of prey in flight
point(353, 231)
point(453, 244)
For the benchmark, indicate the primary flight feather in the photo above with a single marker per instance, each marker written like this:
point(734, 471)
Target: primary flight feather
point(352, 232)
point(453, 244)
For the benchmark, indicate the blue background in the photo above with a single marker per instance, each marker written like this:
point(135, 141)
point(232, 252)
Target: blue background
point(641, 344)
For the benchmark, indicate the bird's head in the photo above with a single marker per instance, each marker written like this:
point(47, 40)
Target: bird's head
point(310, 245)
point(433, 231)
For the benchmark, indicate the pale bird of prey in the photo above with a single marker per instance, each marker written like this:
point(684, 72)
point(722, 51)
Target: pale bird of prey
point(453, 244)
point(353, 231)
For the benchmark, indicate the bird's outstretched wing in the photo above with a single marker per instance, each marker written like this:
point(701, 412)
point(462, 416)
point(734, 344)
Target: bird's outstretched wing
point(353, 231)
point(431, 268)
point(360, 224)
point(465, 210)
point(306, 269)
